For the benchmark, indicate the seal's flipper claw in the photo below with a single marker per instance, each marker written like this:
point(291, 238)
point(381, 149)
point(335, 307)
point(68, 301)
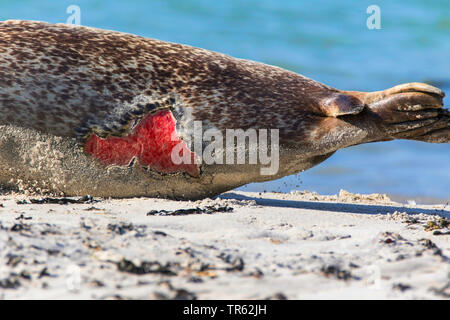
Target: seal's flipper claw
point(340, 104)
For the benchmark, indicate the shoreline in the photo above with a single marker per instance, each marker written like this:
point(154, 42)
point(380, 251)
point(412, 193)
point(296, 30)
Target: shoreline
point(240, 245)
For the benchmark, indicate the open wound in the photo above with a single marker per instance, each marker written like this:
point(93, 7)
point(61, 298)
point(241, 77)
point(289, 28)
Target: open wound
point(151, 142)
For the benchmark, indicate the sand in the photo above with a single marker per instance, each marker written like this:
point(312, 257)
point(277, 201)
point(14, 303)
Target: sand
point(240, 245)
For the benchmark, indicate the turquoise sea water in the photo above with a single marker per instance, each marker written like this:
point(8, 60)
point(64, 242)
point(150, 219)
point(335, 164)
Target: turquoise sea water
point(325, 40)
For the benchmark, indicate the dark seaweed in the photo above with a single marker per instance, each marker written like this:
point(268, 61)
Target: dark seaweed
point(145, 267)
point(50, 200)
point(184, 212)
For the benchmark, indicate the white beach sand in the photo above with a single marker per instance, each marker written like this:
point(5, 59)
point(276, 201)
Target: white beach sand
point(296, 246)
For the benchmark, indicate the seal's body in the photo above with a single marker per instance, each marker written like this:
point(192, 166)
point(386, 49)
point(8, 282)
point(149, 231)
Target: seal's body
point(89, 111)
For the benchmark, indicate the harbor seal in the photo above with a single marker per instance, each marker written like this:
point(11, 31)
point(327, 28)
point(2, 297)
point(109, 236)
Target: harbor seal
point(90, 111)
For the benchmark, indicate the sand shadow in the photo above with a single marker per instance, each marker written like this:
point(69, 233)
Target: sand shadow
point(336, 207)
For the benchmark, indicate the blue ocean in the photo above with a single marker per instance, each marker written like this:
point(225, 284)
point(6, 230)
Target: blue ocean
point(325, 40)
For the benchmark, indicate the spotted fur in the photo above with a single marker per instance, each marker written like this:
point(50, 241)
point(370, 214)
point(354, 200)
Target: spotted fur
point(65, 76)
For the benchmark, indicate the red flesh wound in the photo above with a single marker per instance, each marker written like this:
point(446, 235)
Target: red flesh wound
point(150, 142)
